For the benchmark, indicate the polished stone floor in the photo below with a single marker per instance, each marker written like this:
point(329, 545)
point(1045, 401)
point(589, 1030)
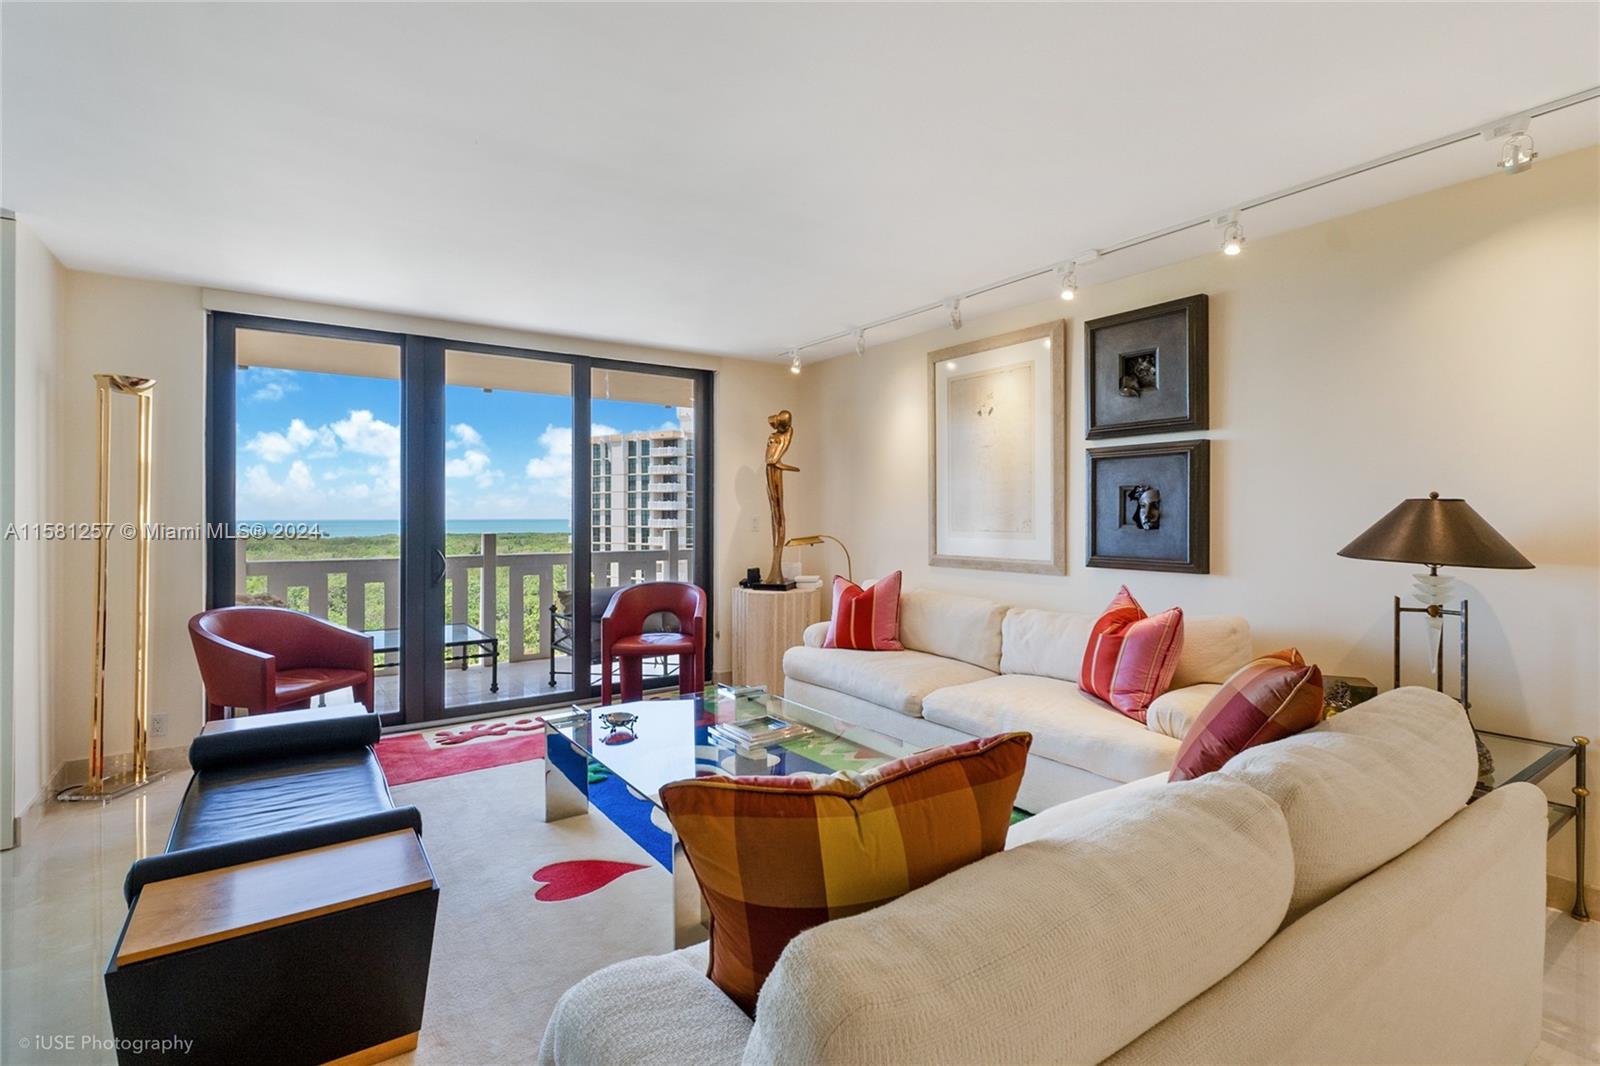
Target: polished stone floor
point(500, 956)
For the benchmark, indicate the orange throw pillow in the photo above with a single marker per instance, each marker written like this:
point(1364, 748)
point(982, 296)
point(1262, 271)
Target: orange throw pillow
point(1271, 698)
point(777, 855)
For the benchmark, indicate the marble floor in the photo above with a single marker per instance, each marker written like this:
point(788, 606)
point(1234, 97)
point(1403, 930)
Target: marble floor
point(500, 957)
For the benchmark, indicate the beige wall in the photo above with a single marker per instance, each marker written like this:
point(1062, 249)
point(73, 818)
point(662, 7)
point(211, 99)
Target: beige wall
point(40, 300)
point(158, 330)
point(1444, 342)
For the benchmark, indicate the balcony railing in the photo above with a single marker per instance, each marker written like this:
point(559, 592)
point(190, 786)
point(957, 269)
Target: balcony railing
point(306, 584)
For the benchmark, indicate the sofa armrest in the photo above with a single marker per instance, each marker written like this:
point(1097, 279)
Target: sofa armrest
point(187, 861)
point(642, 1012)
point(815, 634)
point(283, 735)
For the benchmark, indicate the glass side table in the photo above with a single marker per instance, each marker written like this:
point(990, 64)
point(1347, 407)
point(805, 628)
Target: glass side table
point(1523, 759)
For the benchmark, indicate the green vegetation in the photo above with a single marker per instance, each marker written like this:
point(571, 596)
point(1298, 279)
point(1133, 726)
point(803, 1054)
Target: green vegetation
point(388, 547)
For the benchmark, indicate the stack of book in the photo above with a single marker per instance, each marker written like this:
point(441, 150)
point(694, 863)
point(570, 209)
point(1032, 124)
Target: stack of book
point(762, 732)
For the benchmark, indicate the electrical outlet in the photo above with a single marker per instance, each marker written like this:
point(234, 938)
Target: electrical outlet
point(158, 725)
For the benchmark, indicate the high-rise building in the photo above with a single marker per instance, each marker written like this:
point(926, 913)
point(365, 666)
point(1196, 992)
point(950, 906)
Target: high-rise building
point(642, 487)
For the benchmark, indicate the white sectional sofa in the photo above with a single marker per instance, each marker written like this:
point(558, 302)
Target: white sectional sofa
point(1327, 898)
point(973, 668)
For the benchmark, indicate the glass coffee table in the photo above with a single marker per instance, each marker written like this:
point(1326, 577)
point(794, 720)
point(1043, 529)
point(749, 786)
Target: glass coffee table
point(672, 739)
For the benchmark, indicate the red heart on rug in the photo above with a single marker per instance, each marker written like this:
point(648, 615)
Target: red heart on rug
point(579, 877)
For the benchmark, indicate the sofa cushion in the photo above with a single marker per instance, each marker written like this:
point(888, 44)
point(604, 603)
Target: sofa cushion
point(1364, 786)
point(1214, 647)
point(1174, 711)
point(1067, 726)
point(898, 680)
point(1061, 950)
point(775, 856)
point(957, 627)
point(1046, 643)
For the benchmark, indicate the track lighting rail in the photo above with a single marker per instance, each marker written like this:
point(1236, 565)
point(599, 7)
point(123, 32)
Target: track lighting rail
point(952, 304)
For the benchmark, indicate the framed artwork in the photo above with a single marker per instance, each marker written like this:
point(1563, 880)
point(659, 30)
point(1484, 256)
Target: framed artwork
point(1150, 507)
point(997, 446)
point(1147, 370)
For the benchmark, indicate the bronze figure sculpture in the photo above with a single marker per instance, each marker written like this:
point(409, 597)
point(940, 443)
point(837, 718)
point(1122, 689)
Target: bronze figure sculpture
point(778, 442)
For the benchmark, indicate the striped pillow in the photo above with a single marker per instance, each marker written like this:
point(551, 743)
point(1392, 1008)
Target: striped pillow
point(777, 855)
point(1271, 698)
point(1130, 658)
point(866, 619)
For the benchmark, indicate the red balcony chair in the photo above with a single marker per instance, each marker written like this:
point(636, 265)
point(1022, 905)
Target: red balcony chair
point(623, 636)
point(275, 659)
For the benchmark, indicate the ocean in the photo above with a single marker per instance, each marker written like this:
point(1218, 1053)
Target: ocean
point(377, 527)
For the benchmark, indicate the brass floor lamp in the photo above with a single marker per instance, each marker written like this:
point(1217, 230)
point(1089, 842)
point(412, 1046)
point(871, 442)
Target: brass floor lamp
point(100, 786)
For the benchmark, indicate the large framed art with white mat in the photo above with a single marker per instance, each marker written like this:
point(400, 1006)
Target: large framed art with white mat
point(997, 444)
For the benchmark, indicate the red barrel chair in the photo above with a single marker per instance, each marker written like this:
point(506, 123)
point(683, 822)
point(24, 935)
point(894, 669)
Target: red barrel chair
point(623, 636)
point(275, 659)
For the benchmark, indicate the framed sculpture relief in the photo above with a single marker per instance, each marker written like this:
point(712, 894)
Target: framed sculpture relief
point(997, 442)
point(1147, 370)
point(1150, 507)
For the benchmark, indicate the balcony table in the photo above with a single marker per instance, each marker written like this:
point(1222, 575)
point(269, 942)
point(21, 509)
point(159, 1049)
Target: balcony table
point(474, 644)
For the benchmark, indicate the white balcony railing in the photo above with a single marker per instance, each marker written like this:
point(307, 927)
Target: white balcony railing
point(285, 578)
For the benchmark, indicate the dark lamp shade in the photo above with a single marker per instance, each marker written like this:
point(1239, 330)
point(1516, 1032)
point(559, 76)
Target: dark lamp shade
point(1436, 532)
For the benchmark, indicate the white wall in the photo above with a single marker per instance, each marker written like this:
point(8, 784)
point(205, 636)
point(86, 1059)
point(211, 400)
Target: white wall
point(1448, 342)
point(157, 330)
point(39, 306)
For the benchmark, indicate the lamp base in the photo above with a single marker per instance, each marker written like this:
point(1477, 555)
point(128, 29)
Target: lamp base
point(111, 787)
point(1485, 762)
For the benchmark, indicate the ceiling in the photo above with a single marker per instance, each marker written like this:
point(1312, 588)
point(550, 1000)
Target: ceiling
point(727, 178)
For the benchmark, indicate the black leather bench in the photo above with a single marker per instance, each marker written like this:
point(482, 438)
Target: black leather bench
point(290, 918)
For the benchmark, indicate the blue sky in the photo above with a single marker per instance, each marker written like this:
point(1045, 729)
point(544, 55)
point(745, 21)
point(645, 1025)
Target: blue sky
point(314, 446)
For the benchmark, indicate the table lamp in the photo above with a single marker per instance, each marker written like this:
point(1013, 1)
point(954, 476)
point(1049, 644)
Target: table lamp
point(796, 542)
point(1436, 532)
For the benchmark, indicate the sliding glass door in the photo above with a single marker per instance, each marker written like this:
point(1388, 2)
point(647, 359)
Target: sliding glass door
point(470, 507)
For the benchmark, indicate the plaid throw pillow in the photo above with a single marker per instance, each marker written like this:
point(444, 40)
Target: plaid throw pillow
point(865, 619)
point(1271, 698)
point(777, 855)
point(1130, 658)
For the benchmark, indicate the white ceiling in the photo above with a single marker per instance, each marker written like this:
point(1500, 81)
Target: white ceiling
point(726, 178)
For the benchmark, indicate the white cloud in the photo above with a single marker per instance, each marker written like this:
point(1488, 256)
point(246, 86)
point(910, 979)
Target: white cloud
point(600, 429)
point(275, 447)
point(366, 435)
point(464, 434)
point(297, 485)
point(472, 463)
point(275, 383)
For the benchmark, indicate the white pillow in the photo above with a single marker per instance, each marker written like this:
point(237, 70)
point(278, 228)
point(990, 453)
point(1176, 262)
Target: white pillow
point(1174, 711)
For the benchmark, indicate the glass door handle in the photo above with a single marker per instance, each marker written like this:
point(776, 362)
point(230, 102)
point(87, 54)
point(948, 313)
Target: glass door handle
point(438, 575)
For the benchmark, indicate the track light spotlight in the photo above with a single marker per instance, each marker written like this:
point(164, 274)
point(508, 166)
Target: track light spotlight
point(1067, 279)
point(1518, 154)
point(861, 341)
point(1232, 233)
point(953, 305)
point(794, 360)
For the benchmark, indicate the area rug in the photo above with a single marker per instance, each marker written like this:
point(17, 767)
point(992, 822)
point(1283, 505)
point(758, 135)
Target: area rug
point(527, 908)
point(442, 753)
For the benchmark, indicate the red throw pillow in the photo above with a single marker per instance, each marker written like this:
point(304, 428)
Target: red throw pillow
point(1271, 698)
point(866, 619)
point(1130, 657)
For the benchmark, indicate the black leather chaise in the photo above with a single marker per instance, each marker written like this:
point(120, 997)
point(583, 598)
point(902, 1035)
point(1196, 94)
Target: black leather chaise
point(290, 918)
